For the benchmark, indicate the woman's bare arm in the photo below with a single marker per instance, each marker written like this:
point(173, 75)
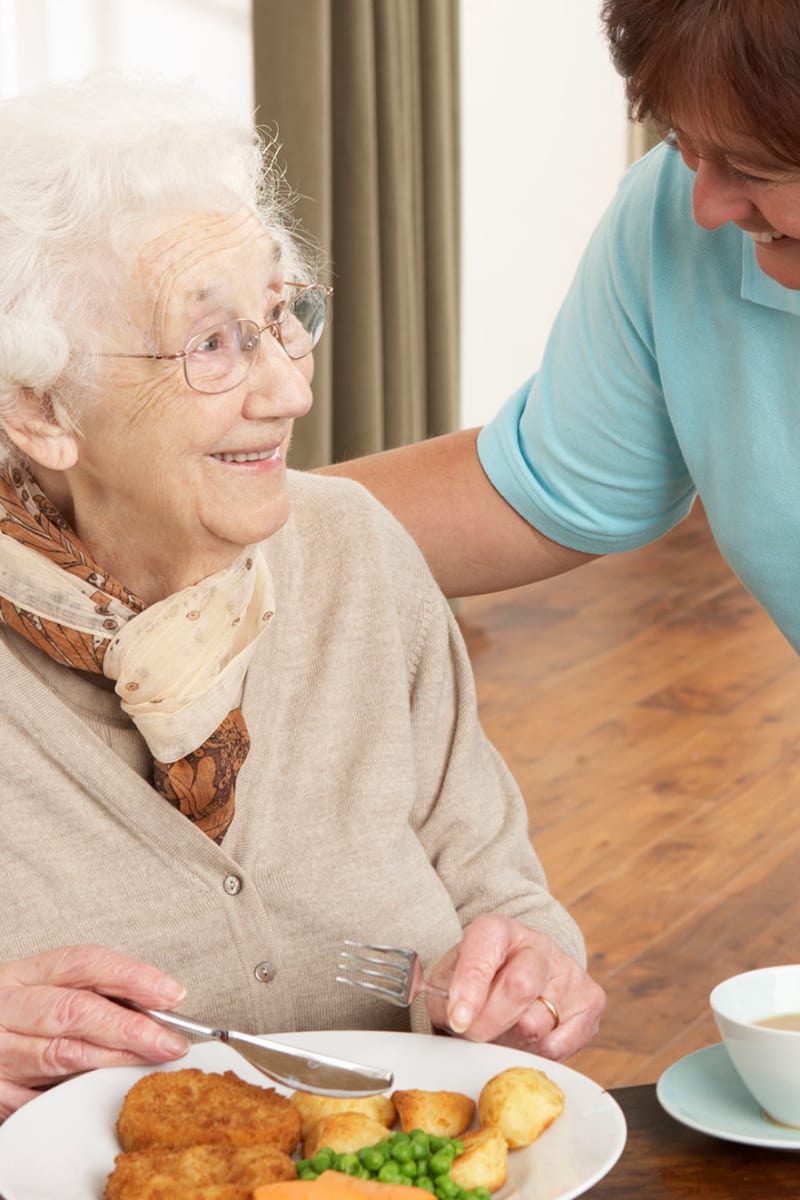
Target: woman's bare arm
point(473, 539)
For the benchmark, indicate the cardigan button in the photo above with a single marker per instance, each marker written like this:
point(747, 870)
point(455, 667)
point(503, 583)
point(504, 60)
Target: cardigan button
point(232, 884)
point(265, 972)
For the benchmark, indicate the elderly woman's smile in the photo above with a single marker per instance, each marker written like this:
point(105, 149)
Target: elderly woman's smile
point(253, 456)
point(204, 469)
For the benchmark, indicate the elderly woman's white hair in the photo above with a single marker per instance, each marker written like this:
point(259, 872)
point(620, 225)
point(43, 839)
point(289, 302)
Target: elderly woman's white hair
point(79, 163)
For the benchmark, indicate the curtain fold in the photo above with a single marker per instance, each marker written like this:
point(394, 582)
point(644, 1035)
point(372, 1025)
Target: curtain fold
point(642, 136)
point(363, 95)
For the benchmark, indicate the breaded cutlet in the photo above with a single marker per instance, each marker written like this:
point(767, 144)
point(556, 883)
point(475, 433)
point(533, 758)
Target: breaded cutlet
point(197, 1173)
point(190, 1107)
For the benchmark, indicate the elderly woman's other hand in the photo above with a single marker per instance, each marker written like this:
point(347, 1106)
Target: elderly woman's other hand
point(511, 985)
point(54, 1023)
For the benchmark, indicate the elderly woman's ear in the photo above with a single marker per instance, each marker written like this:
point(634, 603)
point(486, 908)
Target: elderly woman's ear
point(33, 427)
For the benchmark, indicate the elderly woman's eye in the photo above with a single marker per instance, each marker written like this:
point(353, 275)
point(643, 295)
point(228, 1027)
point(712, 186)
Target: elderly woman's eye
point(275, 313)
point(212, 341)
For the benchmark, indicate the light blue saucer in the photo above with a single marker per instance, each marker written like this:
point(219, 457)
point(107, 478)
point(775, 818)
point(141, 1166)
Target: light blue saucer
point(704, 1092)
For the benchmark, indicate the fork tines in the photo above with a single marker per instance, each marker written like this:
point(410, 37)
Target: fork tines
point(383, 969)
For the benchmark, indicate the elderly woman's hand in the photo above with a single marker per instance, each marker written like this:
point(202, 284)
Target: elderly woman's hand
point(53, 1022)
point(497, 974)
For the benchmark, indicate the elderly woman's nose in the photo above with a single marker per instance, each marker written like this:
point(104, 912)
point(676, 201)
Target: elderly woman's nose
point(278, 385)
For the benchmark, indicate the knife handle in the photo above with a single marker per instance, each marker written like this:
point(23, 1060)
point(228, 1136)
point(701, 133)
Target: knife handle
point(173, 1019)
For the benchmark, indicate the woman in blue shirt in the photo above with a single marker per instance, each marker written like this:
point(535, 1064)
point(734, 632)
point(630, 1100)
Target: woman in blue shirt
point(672, 369)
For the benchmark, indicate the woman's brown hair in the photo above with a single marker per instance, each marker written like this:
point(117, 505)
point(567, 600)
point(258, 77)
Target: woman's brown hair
point(732, 65)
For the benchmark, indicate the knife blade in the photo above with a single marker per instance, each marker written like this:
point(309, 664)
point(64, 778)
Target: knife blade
point(291, 1066)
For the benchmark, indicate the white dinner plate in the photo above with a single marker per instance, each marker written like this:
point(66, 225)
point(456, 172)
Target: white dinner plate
point(704, 1092)
point(62, 1145)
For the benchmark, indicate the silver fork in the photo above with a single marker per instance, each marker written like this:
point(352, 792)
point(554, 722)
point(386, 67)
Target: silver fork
point(392, 971)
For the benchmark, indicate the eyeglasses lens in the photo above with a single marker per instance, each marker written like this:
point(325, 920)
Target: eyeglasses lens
point(219, 359)
point(305, 317)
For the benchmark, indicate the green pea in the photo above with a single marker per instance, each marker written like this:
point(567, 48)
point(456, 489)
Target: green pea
point(437, 1143)
point(403, 1151)
point(408, 1169)
point(348, 1164)
point(322, 1161)
point(425, 1182)
point(440, 1162)
point(420, 1145)
point(390, 1172)
point(306, 1172)
point(372, 1157)
point(445, 1187)
point(458, 1148)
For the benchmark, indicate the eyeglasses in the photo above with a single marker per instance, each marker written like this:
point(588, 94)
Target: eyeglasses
point(218, 359)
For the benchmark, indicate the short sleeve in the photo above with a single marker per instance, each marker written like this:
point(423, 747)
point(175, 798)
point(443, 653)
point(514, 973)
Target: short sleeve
point(585, 450)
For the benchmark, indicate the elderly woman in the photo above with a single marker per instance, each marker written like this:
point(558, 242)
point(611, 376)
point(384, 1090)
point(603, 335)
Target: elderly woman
point(238, 722)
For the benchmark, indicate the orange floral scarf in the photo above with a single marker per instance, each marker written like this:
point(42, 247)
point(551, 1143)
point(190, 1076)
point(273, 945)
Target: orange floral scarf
point(179, 664)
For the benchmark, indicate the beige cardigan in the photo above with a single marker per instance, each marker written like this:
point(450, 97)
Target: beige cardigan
point(371, 805)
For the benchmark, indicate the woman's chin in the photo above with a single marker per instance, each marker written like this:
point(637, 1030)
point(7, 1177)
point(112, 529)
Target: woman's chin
point(256, 526)
point(781, 262)
point(245, 513)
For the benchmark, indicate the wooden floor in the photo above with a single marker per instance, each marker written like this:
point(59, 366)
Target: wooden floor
point(649, 710)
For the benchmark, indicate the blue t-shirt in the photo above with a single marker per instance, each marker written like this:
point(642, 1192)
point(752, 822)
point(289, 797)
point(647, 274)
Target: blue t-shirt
point(673, 368)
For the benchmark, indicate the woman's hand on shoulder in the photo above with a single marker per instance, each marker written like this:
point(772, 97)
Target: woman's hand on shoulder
point(54, 1021)
point(497, 976)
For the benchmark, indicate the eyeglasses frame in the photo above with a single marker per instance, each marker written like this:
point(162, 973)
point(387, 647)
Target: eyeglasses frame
point(327, 292)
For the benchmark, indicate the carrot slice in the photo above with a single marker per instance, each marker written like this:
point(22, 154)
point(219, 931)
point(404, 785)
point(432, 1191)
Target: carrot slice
point(334, 1185)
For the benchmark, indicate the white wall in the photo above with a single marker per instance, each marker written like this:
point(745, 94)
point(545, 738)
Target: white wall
point(544, 145)
point(205, 42)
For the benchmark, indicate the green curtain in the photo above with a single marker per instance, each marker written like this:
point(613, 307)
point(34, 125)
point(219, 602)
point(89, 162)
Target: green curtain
point(364, 97)
point(642, 136)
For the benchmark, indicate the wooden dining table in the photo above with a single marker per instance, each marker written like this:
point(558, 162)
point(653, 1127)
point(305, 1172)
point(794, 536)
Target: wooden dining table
point(665, 1160)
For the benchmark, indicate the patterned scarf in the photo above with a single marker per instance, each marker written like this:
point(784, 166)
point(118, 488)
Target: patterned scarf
point(179, 664)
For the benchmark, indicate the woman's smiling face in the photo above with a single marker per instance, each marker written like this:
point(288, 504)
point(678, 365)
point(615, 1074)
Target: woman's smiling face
point(177, 480)
point(736, 181)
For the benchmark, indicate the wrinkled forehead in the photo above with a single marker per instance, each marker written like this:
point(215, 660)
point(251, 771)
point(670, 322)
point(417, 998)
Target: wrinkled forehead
point(183, 259)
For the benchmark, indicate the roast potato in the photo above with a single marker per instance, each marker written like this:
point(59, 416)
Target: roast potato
point(312, 1108)
point(344, 1132)
point(521, 1102)
point(445, 1114)
point(484, 1162)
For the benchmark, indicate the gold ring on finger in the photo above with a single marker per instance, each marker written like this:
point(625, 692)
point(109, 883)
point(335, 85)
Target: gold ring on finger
point(551, 1008)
